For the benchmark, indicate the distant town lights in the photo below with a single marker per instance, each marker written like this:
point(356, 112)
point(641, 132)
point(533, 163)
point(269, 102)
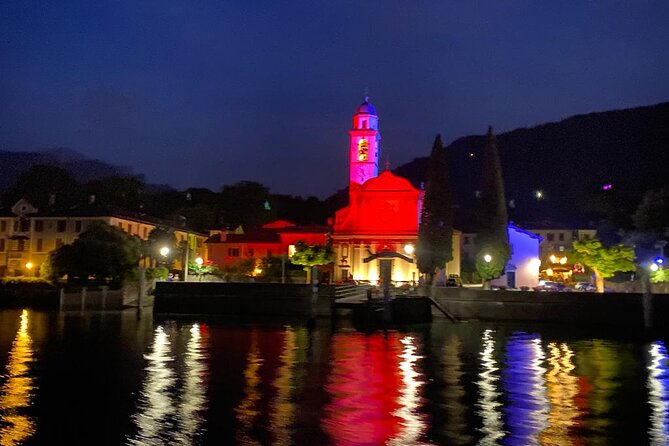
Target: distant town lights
point(538, 194)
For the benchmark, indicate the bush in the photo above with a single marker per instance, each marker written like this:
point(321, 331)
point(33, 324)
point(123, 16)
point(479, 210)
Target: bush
point(24, 280)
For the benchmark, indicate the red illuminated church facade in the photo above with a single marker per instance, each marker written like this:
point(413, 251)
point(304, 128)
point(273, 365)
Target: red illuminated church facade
point(375, 236)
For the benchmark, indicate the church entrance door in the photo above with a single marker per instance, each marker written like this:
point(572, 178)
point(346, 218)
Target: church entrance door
point(385, 270)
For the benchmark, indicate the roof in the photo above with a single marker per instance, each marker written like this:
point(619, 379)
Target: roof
point(388, 181)
point(98, 210)
point(365, 108)
point(524, 231)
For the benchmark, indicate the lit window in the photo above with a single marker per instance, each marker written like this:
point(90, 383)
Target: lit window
point(233, 252)
point(363, 148)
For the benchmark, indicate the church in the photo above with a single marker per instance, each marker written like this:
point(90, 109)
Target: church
point(374, 237)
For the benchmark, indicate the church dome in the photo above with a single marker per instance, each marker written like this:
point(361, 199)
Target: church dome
point(365, 108)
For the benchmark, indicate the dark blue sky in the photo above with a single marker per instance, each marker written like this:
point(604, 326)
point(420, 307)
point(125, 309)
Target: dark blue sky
point(211, 92)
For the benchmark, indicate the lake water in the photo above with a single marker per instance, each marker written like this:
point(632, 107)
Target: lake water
point(110, 378)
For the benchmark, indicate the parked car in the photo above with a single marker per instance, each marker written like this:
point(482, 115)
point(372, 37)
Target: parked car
point(453, 280)
point(551, 286)
point(585, 287)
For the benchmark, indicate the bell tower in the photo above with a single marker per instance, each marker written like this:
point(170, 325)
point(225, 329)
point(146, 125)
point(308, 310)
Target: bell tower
point(364, 144)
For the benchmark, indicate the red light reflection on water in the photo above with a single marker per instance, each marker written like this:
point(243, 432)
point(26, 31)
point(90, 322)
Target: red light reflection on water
point(364, 385)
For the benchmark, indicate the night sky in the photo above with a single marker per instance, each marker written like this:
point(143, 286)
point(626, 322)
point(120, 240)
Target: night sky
point(208, 93)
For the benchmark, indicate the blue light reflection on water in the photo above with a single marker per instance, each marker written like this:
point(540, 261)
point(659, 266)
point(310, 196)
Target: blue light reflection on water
point(290, 384)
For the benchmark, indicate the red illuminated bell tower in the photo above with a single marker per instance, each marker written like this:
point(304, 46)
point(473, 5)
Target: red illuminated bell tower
point(364, 145)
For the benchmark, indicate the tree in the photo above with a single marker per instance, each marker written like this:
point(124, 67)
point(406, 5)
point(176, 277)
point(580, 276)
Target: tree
point(311, 256)
point(246, 203)
point(603, 261)
point(102, 251)
point(435, 233)
point(126, 192)
point(207, 267)
point(161, 237)
point(492, 238)
point(652, 215)
point(45, 187)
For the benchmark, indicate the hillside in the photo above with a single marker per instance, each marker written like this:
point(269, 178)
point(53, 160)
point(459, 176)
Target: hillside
point(569, 161)
point(12, 164)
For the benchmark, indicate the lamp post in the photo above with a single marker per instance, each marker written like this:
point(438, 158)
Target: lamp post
point(487, 258)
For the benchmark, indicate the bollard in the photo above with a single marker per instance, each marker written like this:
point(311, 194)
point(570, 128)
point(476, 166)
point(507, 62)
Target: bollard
point(83, 298)
point(62, 299)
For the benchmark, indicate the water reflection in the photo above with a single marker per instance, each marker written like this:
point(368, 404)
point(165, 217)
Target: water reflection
point(412, 423)
point(16, 392)
point(363, 385)
point(562, 392)
point(658, 394)
point(524, 386)
point(488, 404)
point(247, 411)
point(455, 427)
point(170, 407)
point(282, 409)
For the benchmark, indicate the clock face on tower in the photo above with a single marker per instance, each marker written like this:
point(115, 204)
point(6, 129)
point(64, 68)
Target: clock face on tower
point(363, 148)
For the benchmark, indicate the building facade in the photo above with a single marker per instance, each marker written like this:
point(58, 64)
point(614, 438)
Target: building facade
point(374, 237)
point(27, 236)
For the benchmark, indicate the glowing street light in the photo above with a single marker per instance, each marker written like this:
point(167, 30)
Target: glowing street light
point(29, 265)
point(487, 258)
point(539, 194)
point(199, 261)
point(654, 267)
point(409, 249)
point(164, 251)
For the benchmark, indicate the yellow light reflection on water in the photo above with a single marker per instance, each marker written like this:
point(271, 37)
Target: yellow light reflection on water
point(456, 427)
point(156, 408)
point(16, 392)
point(193, 398)
point(489, 407)
point(658, 395)
point(247, 411)
point(412, 423)
point(282, 409)
point(562, 389)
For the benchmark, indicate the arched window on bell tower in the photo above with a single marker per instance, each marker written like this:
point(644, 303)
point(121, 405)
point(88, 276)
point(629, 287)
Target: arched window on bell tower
point(364, 144)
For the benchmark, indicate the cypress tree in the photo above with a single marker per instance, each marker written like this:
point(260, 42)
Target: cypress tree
point(435, 233)
point(492, 238)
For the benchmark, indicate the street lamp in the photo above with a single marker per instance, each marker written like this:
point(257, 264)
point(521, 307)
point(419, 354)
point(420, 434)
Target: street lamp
point(164, 251)
point(487, 258)
point(199, 261)
point(408, 249)
point(654, 267)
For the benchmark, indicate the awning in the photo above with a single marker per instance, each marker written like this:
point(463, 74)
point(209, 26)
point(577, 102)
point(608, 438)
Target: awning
point(387, 255)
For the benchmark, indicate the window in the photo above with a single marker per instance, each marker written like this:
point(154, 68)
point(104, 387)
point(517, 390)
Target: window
point(2, 244)
point(39, 225)
point(129, 228)
point(465, 240)
point(550, 236)
point(146, 232)
point(233, 252)
point(59, 242)
point(561, 248)
point(251, 252)
point(20, 245)
point(561, 236)
point(574, 235)
point(61, 225)
point(39, 245)
point(120, 225)
point(77, 226)
point(3, 226)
